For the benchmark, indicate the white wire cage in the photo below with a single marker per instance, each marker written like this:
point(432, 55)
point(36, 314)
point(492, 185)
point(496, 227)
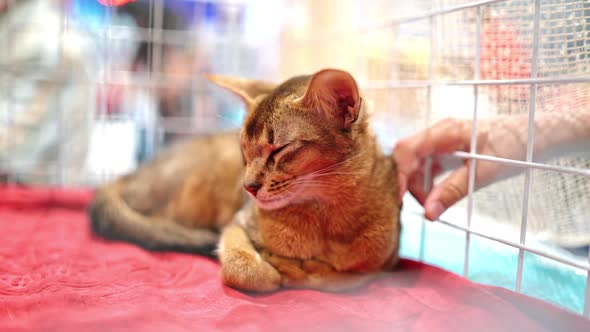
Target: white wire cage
point(104, 88)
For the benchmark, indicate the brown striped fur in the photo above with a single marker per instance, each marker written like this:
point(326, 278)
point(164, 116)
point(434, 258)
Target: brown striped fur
point(324, 213)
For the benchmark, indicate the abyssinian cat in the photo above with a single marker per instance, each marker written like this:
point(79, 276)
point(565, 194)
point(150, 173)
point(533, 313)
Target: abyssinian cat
point(302, 196)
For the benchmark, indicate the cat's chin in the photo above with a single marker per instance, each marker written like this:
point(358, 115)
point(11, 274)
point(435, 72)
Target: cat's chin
point(274, 203)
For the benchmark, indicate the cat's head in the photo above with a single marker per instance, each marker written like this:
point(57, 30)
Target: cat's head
point(297, 136)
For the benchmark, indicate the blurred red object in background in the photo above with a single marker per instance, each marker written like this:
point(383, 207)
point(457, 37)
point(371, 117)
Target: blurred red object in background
point(114, 2)
point(111, 96)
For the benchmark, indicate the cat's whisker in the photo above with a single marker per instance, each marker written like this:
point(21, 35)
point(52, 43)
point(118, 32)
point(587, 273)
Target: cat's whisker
point(286, 190)
point(322, 177)
point(335, 173)
point(319, 185)
point(311, 179)
point(322, 183)
point(325, 169)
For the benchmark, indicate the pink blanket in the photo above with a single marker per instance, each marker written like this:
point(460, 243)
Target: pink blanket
point(56, 276)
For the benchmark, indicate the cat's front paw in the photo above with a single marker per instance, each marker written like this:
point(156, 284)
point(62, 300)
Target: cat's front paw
point(289, 268)
point(248, 271)
point(313, 266)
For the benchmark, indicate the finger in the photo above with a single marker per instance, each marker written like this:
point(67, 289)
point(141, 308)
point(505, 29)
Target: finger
point(451, 190)
point(402, 182)
point(407, 163)
point(445, 136)
point(416, 187)
point(420, 187)
point(405, 156)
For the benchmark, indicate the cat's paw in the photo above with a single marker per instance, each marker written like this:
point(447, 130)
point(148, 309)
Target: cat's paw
point(312, 266)
point(248, 271)
point(289, 268)
point(292, 273)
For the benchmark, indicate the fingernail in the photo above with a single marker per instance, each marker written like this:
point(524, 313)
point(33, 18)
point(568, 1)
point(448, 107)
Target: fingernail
point(434, 210)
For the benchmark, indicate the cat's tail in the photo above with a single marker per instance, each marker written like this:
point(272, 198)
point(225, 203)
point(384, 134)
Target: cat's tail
point(112, 218)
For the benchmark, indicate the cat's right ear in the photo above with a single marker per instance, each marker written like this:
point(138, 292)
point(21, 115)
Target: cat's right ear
point(248, 90)
point(333, 92)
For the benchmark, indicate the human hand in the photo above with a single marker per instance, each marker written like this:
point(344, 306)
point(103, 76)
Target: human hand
point(503, 136)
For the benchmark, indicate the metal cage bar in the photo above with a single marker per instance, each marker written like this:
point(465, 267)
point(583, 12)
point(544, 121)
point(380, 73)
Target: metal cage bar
point(382, 85)
point(428, 163)
point(396, 21)
point(106, 76)
point(565, 261)
point(556, 258)
point(524, 164)
point(59, 102)
point(156, 14)
point(530, 143)
point(473, 147)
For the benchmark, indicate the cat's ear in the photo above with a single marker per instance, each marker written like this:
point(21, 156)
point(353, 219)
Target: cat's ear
point(334, 92)
point(248, 90)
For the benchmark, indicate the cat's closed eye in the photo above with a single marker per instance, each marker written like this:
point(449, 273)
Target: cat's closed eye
point(291, 153)
point(278, 150)
point(285, 153)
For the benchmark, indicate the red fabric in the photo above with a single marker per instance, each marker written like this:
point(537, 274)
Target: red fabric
point(55, 276)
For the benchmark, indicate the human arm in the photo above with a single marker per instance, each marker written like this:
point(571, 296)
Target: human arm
point(556, 133)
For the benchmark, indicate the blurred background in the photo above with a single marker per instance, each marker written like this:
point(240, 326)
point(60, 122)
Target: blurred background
point(91, 88)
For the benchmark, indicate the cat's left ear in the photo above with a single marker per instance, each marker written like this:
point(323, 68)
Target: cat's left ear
point(334, 92)
point(248, 90)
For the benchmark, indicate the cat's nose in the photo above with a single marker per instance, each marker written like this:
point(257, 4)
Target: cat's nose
point(252, 187)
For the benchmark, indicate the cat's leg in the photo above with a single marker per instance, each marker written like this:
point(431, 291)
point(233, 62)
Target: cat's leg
point(322, 276)
point(318, 275)
point(242, 266)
